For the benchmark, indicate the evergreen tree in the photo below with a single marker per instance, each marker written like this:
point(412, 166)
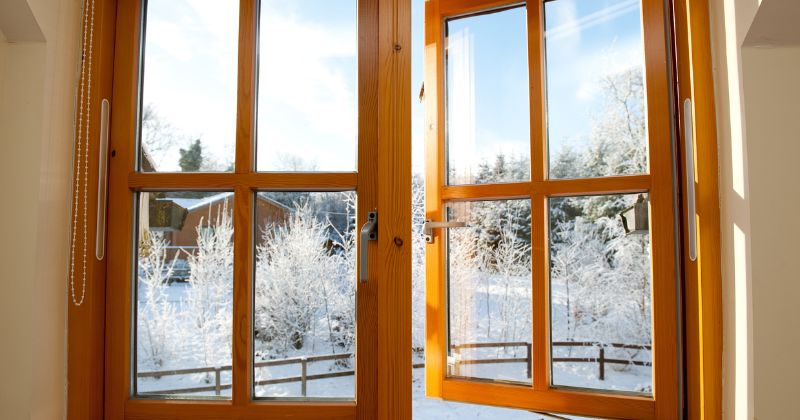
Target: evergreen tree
point(192, 158)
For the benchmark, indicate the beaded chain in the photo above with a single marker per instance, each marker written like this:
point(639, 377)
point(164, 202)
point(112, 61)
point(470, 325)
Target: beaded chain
point(82, 155)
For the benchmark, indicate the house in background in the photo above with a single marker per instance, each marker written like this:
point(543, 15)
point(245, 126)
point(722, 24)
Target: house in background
point(187, 214)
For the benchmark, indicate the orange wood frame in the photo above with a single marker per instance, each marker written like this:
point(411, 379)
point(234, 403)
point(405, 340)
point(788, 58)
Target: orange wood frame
point(658, 183)
point(703, 277)
point(100, 381)
point(90, 387)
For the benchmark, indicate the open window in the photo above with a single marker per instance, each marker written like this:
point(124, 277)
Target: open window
point(551, 262)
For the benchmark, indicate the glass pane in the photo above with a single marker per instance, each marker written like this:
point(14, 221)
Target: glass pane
point(188, 116)
point(489, 290)
point(487, 112)
point(595, 88)
point(307, 86)
point(601, 321)
point(305, 295)
point(184, 292)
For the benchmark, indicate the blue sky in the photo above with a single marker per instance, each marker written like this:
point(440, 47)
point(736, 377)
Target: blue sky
point(308, 98)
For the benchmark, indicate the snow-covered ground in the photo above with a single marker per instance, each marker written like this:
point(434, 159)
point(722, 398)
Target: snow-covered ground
point(571, 374)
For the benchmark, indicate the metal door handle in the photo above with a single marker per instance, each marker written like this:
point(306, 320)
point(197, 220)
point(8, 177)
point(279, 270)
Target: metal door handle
point(430, 225)
point(369, 232)
point(691, 205)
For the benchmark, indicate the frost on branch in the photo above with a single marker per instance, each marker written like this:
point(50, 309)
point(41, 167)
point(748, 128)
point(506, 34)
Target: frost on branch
point(156, 317)
point(208, 302)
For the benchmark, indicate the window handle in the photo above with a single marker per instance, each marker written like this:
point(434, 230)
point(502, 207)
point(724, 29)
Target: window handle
point(102, 182)
point(369, 232)
point(430, 225)
point(691, 205)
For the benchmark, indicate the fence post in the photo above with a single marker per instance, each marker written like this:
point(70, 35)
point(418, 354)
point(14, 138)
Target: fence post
point(457, 364)
point(303, 376)
point(529, 358)
point(217, 381)
point(602, 361)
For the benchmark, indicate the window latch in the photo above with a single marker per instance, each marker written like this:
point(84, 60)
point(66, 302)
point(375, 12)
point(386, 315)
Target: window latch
point(369, 232)
point(430, 225)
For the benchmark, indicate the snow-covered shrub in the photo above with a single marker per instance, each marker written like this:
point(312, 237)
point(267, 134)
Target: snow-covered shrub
point(156, 315)
point(603, 277)
point(208, 304)
point(305, 282)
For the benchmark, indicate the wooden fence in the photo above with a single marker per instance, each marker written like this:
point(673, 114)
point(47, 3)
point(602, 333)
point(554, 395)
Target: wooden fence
point(304, 361)
point(601, 358)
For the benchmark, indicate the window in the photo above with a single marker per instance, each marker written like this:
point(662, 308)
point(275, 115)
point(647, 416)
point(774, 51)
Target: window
point(552, 284)
point(243, 170)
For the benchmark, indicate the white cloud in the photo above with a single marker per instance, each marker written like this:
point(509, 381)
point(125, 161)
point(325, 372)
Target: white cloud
point(308, 89)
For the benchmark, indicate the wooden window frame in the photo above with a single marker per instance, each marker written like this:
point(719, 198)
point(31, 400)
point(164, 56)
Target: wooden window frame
point(658, 183)
point(100, 336)
point(88, 333)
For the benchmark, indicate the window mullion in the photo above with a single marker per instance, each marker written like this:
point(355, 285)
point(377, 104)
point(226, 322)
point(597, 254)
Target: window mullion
point(243, 205)
point(538, 199)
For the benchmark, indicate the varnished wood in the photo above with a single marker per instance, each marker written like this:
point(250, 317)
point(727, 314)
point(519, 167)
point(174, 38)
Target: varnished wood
point(243, 249)
point(658, 183)
point(586, 403)
point(85, 323)
point(485, 192)
point(245, 181)
point(435, 315)
point(120, 201)
point(242, 330)
point(540, 292)
point(308, 181)
point(246, 86)
point(464, 7)
point(367, 361)
point(702, 278)
point(664, 283)
point(594, 186)
point(215, 410)
point(540, 270)
point(394, 209)
point(551, 188)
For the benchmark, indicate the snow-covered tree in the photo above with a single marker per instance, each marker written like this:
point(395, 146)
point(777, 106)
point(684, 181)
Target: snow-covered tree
point(156, 315)
point(603, 276)
point(463, 282)
point(305, 281)
point(417, 263)
point(208, 304)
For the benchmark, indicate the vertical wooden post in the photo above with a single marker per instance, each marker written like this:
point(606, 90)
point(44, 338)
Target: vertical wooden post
point(303, 376)
point(217, 381)
point(457, 361)
point(529, 359)
point(602, 361)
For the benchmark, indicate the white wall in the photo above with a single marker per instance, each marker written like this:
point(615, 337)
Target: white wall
point(758, 117)
point(38, 62)
point(772, 94)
